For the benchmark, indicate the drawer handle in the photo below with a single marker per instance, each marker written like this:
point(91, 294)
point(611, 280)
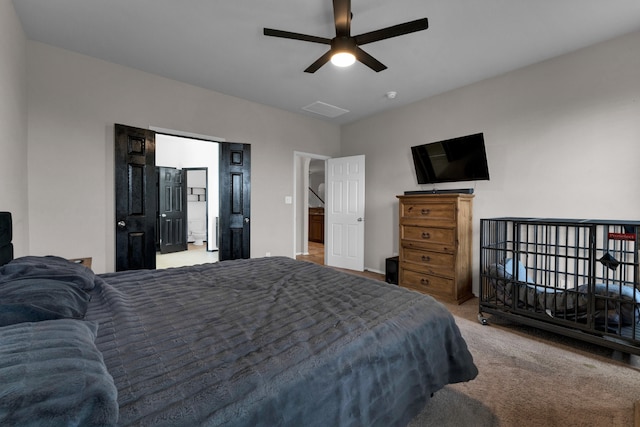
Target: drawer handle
point(426, 258)
point(424, 282)
point(426, 235)
point(425, 211)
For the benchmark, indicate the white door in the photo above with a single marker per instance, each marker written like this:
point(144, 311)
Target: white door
point(344, 236)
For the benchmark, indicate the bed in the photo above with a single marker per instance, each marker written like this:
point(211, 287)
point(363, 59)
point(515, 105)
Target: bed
point(259, 342)
point(614, 304)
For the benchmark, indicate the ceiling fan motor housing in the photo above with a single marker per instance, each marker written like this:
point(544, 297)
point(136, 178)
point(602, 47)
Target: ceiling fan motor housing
point(343, 44)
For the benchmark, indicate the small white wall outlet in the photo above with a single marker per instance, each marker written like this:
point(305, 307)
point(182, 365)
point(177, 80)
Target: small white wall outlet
point(288, 200)
point(267, 254)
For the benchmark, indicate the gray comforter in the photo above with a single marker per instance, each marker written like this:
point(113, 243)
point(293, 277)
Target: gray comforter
point(272, 341)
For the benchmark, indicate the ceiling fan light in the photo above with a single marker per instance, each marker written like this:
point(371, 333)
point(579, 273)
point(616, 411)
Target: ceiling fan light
point(343, 59)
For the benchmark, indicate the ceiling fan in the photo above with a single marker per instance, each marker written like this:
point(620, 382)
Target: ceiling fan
point(346, 48)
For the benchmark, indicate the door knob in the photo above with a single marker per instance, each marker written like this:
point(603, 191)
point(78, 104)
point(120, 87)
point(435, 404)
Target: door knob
point(122, 224)
point(163, 215)
point(246, 220)
point(360, 219)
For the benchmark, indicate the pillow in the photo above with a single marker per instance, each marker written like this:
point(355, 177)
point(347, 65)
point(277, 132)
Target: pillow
point(48, 267)
point(52, 374)
point(34, 300)
point(522, 271)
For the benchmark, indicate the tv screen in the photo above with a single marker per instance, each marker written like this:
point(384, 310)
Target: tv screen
point(458, 159)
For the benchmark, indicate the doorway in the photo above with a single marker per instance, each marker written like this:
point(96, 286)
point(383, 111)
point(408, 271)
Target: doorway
point(136, 200)
point(315, 213)
point(343, 211)
point(309, 171)
point(198, 161)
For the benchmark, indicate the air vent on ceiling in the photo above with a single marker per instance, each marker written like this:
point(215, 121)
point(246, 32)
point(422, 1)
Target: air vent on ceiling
point(325, 109)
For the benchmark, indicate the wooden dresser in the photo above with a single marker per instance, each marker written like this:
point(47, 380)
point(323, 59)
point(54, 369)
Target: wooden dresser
point(435, 245)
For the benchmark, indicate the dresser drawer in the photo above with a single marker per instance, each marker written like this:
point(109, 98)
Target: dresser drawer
point(445, 212)
point(426, 283)
point(434, 235)
point(429, 262)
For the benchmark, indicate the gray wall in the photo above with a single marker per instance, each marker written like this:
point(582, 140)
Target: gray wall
point(562, 136)
point(13, 125)
point(73, 102)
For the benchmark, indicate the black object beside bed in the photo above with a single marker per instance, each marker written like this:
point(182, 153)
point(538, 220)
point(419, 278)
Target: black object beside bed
point(269, 341)
point(6, 233)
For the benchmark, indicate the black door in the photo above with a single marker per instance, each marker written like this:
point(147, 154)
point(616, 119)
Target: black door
point(235, 201)
point(135, 192)
point(172, 202)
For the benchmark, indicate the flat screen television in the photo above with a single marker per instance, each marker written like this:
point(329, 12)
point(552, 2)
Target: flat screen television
point(457, 159)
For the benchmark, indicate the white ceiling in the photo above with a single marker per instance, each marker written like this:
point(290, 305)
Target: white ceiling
point(219, 45)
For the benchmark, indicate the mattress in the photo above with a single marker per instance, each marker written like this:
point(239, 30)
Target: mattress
point(272, 341)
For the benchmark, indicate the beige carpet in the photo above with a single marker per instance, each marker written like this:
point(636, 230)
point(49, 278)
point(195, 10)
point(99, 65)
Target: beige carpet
point(529, 377)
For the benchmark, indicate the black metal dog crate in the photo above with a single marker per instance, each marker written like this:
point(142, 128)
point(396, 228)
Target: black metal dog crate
point(574, 277)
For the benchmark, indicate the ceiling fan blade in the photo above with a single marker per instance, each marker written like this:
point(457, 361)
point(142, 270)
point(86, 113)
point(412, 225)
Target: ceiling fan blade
point(342, 17)
point(295, 36)
point(393, 31)
point(369, 60)
point(319, 62)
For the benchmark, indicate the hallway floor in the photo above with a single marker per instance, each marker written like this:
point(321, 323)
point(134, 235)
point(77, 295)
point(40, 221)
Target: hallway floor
point(316, 255)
